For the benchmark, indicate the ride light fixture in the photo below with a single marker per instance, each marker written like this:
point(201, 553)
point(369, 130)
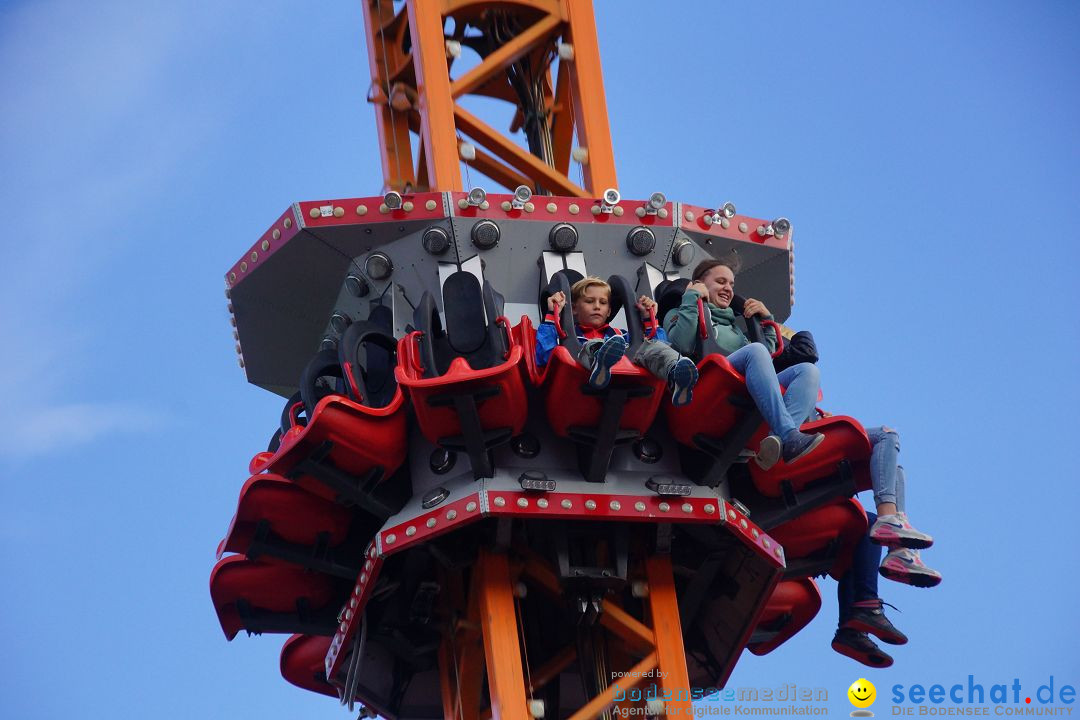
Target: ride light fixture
point(340, 322)
point(609, 200)
point(485, 234)
point(640, 241)
point(563, 237)
point(436, 240)
point(522, 195)
point(476, 197)
point(357, 286)
point(781, 226)
point(378, 266)
point(724, 212)
point(393, 200)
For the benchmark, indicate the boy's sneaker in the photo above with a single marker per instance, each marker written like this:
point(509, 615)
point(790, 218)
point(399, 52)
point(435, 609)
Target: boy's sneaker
point(858, 646)
point(896, 531)
point(903, 565)
point(799, 444)
point(867, 616)
point(768, 453)
point(609, 353)
point(682, 378)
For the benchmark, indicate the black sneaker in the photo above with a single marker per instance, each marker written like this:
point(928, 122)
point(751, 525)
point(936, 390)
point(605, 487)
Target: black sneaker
point(798, 445)
point(858, 646)
point(868, 616)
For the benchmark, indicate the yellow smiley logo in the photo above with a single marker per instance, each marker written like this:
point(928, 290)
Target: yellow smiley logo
point(862, 693)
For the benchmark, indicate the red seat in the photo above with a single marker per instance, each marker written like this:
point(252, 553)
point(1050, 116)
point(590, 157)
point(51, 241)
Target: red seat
point(792, 605)
point(563, 377)
point(361, 441)
point(302, 663)
point(270, 597)
point(277, 519)
point(845, 440)
point(822, 540)
point(720, 401)
point(498, 393)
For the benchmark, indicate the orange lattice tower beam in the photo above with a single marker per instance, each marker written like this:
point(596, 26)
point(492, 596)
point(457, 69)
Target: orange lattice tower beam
point(412, 53)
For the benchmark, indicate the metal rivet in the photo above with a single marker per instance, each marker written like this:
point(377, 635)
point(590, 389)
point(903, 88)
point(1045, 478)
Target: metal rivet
point(590, 504)
point(408, 206)
point(339, 212)
point(243, 267)
point(410, 531)
point(529, 207)
point(664, 507)
point(552, 207)
point(755, 533)
point(731, 514)
point(430, 205)
point(463, 203)
point(390, 539)
point(313, 212)
point(595, 209)
point(506, 206)
point(451, 514)
point(358, 589)
point(743, 525)
point(687, 507)
point(254, 256)
point(689, 216)
point(364, 576)
point(766, 543)
point(639, 506)
point(710, 509)
point(542, 503)
point(566, 504)
point(288, 223)
point(485, 205)
point(367, 565)
point(725, 223)
point(470, 507)
point(344, 627)
point(430, 522)
point(662, 213)
point(574, 208)
point(371, 551)
point(276, 235)
point(618, 211)
point(779, 552)
point(639, 211)
point(361, 209)
point(384, 208)
point(500, 502)
point(353, 602)
point(265, 245)
point(348, 615)
point(232, 277)
point(614, 505)
point(522, 503)
point(742, 227)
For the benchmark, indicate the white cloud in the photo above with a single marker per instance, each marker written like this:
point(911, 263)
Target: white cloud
point(41, 430)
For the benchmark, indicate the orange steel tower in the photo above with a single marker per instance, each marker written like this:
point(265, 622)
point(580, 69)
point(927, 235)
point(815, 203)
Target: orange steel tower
point(413, 47)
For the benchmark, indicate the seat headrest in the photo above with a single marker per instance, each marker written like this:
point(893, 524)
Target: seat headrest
point(669, 295)
point(463, 304)
point(572, 276)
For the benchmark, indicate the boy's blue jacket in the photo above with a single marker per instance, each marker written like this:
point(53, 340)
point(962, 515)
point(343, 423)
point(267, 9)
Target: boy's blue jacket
point(547, 337)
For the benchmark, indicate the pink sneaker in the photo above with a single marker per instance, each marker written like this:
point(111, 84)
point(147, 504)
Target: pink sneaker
point(904, 566)
point(896, 531)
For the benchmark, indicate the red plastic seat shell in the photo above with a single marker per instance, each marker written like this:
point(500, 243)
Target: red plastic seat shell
point(302, 663)
point(294, 514)
point(508, 409)
point(711, 413)
point(272, 587)
point(845, 439)
point(810, 533)
point(363, 438)
point(801, 598)
point(563, 376)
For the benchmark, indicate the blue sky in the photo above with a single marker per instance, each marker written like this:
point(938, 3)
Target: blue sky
point(926, 153)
